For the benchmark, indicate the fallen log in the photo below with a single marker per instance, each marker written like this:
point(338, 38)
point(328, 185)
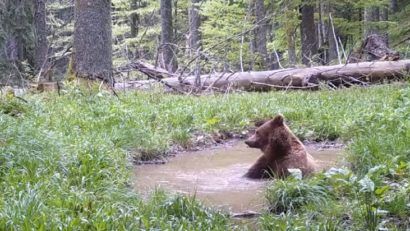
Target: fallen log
point(150, 70)
point(292, 78)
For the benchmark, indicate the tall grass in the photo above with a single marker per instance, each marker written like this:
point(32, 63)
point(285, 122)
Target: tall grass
point(291, 194)
point(371, 195)
point(65, 160)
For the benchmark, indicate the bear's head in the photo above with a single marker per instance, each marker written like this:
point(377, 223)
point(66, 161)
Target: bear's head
point(273, 132)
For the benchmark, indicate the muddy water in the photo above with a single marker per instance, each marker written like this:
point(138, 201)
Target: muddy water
point(215, 176)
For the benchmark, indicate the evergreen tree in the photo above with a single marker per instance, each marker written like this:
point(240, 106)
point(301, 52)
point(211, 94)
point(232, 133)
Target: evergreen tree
point(92, 40)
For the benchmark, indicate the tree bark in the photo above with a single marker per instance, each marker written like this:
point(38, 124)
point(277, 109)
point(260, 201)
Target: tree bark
point(291, 78)
point(274, 56)
point(19, 34)
point(194, 23)
point(260, 34)
point(168, 59)
point(332, 43)
point(291, 48)
point(322, 36)
point(134, 19)
point(92, 40)
point(308, 34)
point(394, 6)
point(370, 16)
point(11, 49)
point(40, 26)
point(384, 16)
point(252, 41)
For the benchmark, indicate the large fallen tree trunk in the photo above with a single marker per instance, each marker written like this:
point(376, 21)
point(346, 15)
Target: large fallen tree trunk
point(292, 78)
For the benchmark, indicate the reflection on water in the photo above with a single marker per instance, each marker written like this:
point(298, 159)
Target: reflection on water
point(215, 176)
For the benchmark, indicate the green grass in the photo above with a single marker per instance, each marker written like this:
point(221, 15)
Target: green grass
point(65, 161)
point(291, 194)
point(374, 196)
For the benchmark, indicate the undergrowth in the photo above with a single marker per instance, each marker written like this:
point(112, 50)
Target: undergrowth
point(373, 195)
point(65, 160)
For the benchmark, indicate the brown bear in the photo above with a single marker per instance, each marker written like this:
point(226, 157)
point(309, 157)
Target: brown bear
point(282, 150)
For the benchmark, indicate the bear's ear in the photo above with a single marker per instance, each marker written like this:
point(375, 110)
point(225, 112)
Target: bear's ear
point(278, 120)
point(261, 122)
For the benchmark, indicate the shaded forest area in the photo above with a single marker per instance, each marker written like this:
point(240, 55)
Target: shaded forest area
point(39, 40)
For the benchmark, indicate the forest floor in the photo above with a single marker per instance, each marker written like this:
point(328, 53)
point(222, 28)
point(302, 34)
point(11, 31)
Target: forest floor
point(65, 161)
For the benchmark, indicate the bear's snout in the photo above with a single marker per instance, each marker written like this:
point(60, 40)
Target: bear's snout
point(252, 143)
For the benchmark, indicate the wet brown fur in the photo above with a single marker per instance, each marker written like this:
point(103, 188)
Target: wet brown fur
point(282, 150)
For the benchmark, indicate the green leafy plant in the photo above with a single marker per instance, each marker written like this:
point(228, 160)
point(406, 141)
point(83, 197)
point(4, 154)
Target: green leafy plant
point(291, 194)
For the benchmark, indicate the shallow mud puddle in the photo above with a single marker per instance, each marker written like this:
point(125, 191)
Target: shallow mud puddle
point(215, 176)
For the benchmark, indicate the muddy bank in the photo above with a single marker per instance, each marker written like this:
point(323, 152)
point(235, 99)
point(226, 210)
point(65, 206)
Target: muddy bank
point(204, 141)
point(215, 175)
point(200, 141)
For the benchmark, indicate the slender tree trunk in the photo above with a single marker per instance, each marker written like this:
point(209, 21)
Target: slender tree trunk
point(175, 17)
point(384, 16)
point(11, 49)
point(290, 29)
point(370, 15)
point(291, 48)
point(252, 41)
point(194, 23)
point(195, 38)
point(308, 34)
point(92, 40)
point(273, 58)
point(168, 59)
point(134, 18)
point(394, 6)
point(332, 34)
point(326, 28)
point(323, 49)
point(41, 44)
point(20, 33)
point(260, 33)
point(12, 43)
point(321, 39)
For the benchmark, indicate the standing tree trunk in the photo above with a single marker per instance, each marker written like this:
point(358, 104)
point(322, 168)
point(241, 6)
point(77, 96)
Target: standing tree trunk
point(394, 6)
point(370, 16)
point(327, 31)
point(20, 33)
point(260, 34)
point(168, 60)
point(308, 34)
point(11, 49)
point(322, 38)
point(252, 41)
point(175, 17)
point(195, 38)
point(274, 56)
point(291, 48)
point(92, 40)
point(41, 45)
point(333, 40)
point(290, 26)
point(384, 16)
point(15, 35)
point(194, 23)
point(134, 18)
